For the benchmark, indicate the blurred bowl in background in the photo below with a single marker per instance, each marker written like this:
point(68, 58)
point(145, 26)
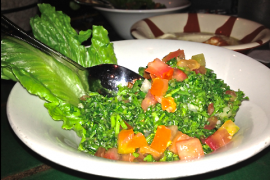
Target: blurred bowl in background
point(122, 19)
point(240, 34)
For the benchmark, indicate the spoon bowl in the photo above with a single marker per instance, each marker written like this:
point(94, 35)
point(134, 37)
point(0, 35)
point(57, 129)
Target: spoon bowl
point(103, 78)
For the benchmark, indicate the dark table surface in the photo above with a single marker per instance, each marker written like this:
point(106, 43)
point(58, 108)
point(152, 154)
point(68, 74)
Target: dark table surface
point(20, 162)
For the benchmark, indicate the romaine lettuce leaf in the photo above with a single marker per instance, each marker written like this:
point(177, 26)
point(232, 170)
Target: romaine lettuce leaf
point(53, 29)
point(42, 74)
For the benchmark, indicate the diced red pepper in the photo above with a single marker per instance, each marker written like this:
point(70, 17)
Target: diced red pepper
point(161, 139)
point(178, 53)
point(159, 69)
point(159, 87)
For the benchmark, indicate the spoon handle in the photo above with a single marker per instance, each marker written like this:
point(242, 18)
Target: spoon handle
point(10, 29)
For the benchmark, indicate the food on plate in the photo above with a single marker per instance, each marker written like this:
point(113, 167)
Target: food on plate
point(180, 111)
point(208, 38)
point(135, 4)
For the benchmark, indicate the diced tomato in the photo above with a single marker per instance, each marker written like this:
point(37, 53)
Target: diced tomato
point(178, 53)
point(148, 101)
point(189, 149)
point(191, 64)
point(200, 70)
point(159, 69)
point(148, 150)
point(174, 130)
point(100, 152)
point(168, 104)
point(212, 123)
point(210, 108)
point(127, 157)
point(219, 139)
point(124, 137)
point(231, 127)
point(159, 87)
point(178, 137)
point(112, 154)
point(179, 75)
point(161, 139)
point(232, 93)
point(137, 141)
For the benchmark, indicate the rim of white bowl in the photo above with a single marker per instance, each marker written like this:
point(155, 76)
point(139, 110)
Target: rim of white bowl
point(145, 10)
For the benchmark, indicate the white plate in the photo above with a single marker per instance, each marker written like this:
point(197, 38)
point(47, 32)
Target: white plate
point(33, 125)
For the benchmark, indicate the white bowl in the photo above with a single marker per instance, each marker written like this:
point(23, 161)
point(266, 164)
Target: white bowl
point(31, 122)
point(251, 34)
point(122, 20)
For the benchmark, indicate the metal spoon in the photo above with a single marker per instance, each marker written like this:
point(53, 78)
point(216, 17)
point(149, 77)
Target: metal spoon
point(103, 78)
point(103, 3)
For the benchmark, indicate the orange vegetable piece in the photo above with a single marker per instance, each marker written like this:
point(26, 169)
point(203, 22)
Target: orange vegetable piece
point(168, 104)
point(148, 150)
point(124, 137)
point(161, 139)
point(137, 141)
point(159, 87)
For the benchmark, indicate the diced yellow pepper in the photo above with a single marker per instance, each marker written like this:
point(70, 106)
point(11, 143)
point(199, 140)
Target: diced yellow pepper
point(231, 127)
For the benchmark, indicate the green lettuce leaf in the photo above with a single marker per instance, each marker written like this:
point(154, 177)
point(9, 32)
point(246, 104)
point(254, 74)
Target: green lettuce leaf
point(53, 29)
point(50, 78)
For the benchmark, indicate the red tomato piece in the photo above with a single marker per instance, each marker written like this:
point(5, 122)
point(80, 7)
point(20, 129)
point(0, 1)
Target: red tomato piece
point(201, 70)
point(168, 104)
point(112, 154)
point(189, 149)
point(178, 53)
point(127, 157)
point(100, 152)
point(179, 75)
point(124, 137)
point(212, 123)
point(161, 139)
point(210, 109)
point(148, 101)
point(232, 94)
point(219, 139)
point(178, 137)
point(159, 87)
point(159, 69)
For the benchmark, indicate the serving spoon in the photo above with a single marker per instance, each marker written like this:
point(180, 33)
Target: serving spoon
point(103, 78)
